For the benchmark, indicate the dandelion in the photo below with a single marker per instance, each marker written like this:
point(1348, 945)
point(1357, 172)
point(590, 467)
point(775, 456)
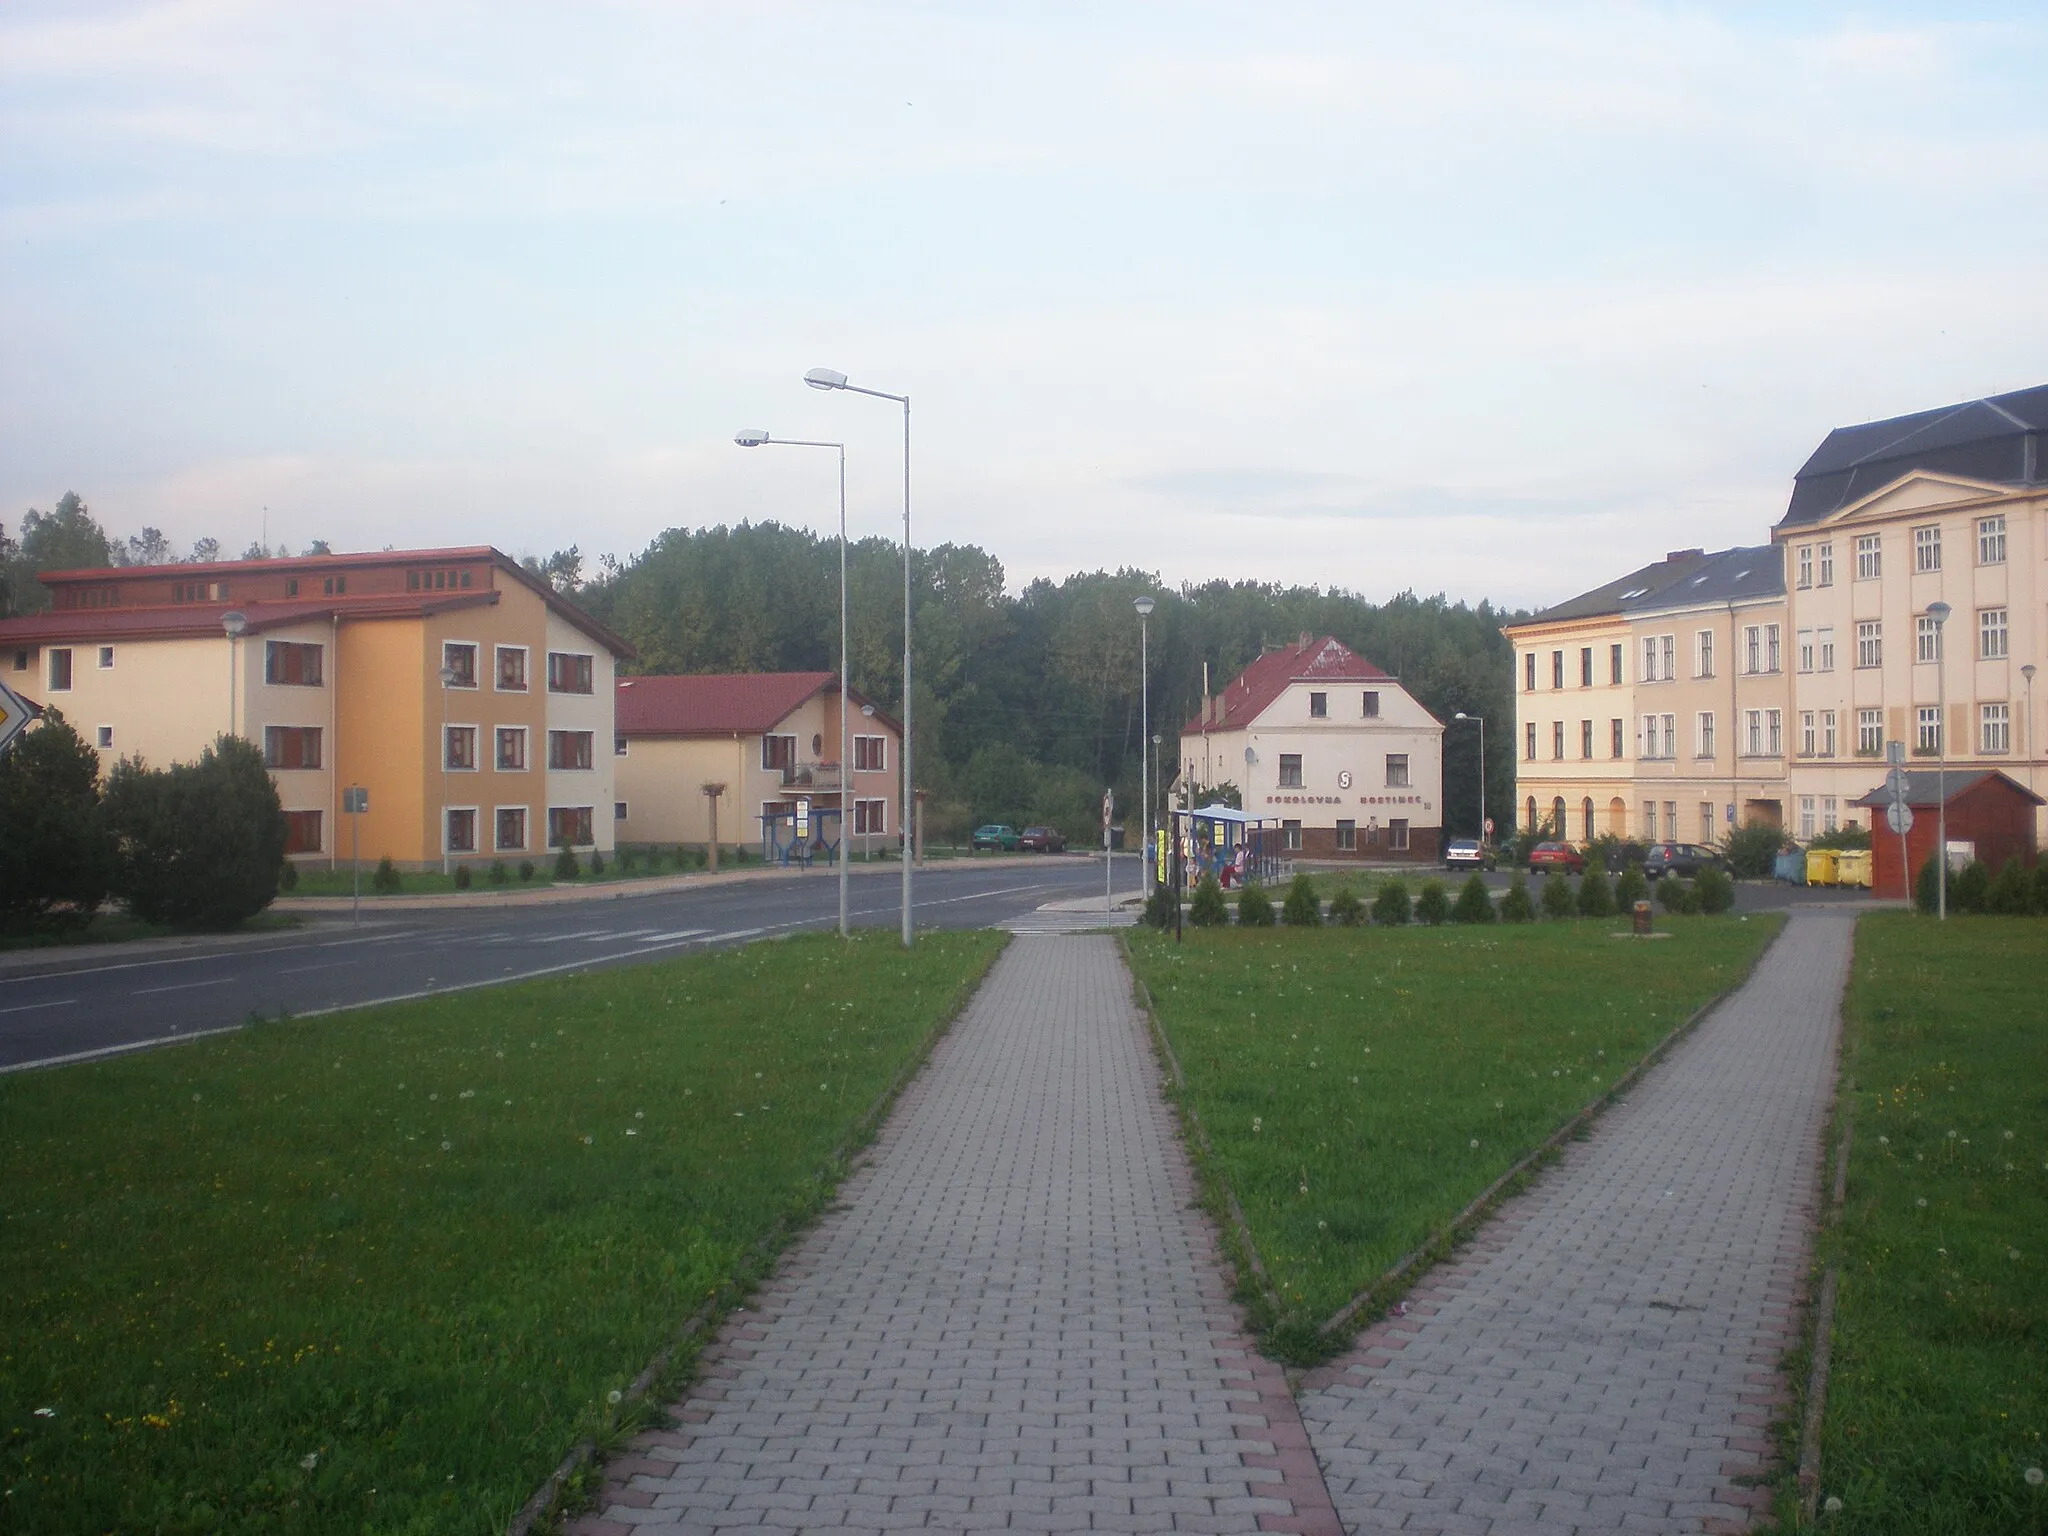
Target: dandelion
point(1475, 1143)
point(1921, 1202)
point(1884, 1141)
point(1833, 1505)
point(639, 1114)
point(2033, 1476)
point(46, 1413)
point(195, 1097)
point(1255, 1125)
point(467, 1093)
point(2012, 1253)
point(2008, 1137)
point(588, 1140)
point(631, 1132)
point(1951, 1135)
point(432, 1097)
point(309, 1461)
point(1321, 1225)
point(447, 1146)
point(613, 1397)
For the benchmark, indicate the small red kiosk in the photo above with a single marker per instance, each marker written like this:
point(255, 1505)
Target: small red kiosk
point(1992, 814)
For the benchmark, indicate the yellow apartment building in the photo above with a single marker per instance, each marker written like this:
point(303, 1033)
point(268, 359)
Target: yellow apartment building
point(470, 700)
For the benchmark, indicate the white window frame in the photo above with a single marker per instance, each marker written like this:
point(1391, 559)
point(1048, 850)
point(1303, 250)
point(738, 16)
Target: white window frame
point(1869, 557)
point(1403, 781)
point(1926, 641)
point(1808, 818)
point(1649, 659)
point(448, 815)
point(1830, 733)
point(475, 742)
point(1926, 730)
point(1991, 540)
point(1753, 732)
point(768, 736)
point(1650, 821)
point(103, 737)
point(1869, 643)
point(1927, 549)
point(1774, 732)
point(50, 669)
point(875, 815)
point(1830, 813)
point(1804, 649)
point(1824, 642)
point(589, 767)
point(525, 734)
point(1703, 733)
point(1398, 839)
point(106, 658)
point(1752, 649)
point(1668, 647)
point(1706, 821)
point(476, 661)
point(1994, 635)
point(1805, 565)
point(1291, 763)
point(1774, 647)
point(1703, 654)
point(1994, 728)
point(1870, 733)
point(525, 668)
point(878, 747)
point(1809, 734)
point(1827, 565)
point(1319, 705)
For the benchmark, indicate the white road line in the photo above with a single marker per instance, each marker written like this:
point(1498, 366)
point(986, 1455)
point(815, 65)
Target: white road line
point(375, 938)
point(183, 986)
point(680, 933)
point(129, 965)
point(62, 1002)
point(563, 938)
point(116, 1050)
point(325, 965)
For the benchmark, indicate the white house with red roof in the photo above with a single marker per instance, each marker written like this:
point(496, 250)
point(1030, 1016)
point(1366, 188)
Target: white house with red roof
point(769, 740)
point(1335, 750)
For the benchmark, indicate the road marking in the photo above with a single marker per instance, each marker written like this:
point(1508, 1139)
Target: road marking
point(116, 1050)
point(680, 933)
point(325, 965)
point(563, 938)
point(183, 986)
point(62, 1002)
point(375, 938)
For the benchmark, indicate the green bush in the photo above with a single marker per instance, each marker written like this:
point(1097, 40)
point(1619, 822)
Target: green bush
point(1516, 907)
point(499, 874)
point(1207, 909)
point(596, 861)
point(200, 844)
point(566, 867)
point(1254, 907)
point(1596, 896)
point(1475, 905)
point(1391, 906)
point(1346, 909)
point(525, 870)
point(1303, 909)
point(1432, 903)
point(1713, 890)
point(1159, 907)
point(2012, 893)
point(627, 858)
point(1927, 888)
point(387, 881)
point(56, 856)
point(1558, 900)
point(1847, 836)
point(1672, 893)
point(1970, 888)
point(2041, 887)
point(1630, 887)
point(288, 876)
point(463, 878)
point(1752, 850)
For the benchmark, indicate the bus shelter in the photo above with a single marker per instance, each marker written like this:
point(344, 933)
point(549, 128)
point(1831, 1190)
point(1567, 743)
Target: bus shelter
point(800, 834)
point(1235, 846)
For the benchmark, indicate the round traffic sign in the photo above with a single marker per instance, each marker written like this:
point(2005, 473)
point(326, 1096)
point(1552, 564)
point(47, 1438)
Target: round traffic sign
point(1899, 817)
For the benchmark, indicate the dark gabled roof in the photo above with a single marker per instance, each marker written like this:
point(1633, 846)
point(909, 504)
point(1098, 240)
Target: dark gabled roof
point(1245, 697)
point(1997, 439)
point(1746, 572)
point(721, 703)
point(1641, 585)
point(1924, 787)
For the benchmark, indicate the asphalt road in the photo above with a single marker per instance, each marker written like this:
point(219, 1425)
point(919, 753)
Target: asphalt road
point(97, 1001)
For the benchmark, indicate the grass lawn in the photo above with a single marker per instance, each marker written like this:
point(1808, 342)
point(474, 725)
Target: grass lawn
point(1361, 1086)
point(115, 927)
point(376, 1272)
point(1938, 1398)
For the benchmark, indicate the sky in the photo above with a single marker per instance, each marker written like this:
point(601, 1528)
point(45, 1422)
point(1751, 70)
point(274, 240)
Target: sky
point(1496, 301)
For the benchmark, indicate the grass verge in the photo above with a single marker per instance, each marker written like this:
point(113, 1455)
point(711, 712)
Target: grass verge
point(1938, 1395)
point(377, 1272)
point(1359, 1087)
point(116, 927)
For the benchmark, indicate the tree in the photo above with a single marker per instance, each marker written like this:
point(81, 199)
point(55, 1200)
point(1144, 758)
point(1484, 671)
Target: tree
point(1516, 907)
point(56, 860)
point(1596, 896)
point(1432, 903)
point(148, 547)
point(204, 551)
point(1391, 906)
point(66, 538)
point(199, 844)
point(1558, 900)
point(1302, 909)
point(1474, 905)
point(1254, 907)
point(1207, 909)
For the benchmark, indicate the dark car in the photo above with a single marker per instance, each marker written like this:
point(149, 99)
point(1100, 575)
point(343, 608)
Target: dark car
point(1042, 840)
point(1467, 853)
point(1686, 859)
point(995, 835)
point(1557, 856)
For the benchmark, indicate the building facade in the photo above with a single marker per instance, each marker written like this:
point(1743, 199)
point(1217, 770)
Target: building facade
point(1329, 746)
point(469, 700)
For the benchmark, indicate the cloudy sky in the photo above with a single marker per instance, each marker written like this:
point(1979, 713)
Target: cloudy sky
point(1493, 300)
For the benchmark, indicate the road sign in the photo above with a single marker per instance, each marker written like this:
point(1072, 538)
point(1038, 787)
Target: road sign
point(1895, 753)
point(1895, 785)
point(1899, 817)
point(15, 714)
point(354, 801)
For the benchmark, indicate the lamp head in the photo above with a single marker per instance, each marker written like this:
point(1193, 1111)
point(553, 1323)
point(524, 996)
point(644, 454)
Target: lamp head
point(447, 677)
point(825, 378)
point(750, 437)
point(1144, 605)
point(868, 710)
point(1939, 612)
point(1461, 715)
point(234, 622)
point(2028, 671)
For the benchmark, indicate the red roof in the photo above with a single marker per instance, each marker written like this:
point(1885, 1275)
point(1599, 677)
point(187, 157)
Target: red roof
point(195, 620)
point(1246, 696)
point(720, 703)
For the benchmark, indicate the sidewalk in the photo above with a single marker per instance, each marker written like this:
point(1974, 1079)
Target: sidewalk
point(1603, 1357)
point(1014, 1320)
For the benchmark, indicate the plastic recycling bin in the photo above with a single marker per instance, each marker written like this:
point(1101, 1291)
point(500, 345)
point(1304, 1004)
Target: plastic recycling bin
point(1822, 867)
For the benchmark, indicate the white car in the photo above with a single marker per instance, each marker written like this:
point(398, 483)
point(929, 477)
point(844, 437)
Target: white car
point(1467, 853)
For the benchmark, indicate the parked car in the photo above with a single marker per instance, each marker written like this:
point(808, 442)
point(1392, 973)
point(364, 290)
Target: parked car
point(1042, 840)
point(1680, 859)
point(1467, 853)
point(1557, 856)
point(996, 835)
point(1622, 854)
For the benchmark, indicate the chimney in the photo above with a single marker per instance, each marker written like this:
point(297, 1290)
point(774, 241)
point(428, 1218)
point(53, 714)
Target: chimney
point(1307, 640)
point(1684, 554)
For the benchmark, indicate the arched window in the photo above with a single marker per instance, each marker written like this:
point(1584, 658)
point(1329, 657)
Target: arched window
point(1558, 828)
point(1532, 813)
point(1586, 818)
point(1617, 817)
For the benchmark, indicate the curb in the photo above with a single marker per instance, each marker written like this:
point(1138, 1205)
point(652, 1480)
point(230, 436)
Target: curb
point(1808, 1479)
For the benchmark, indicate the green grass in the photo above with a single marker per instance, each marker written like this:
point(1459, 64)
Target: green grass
point(1938, 1398)
point(376, 1272)
point(117, 927)
point(1361, 1086)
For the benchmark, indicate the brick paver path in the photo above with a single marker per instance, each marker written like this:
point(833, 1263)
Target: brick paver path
point(1601, 1359)
point(1013, 1321)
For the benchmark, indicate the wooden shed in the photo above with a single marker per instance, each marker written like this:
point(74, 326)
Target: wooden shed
point(1992, 814)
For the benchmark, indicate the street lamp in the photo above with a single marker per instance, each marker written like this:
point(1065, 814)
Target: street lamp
point(1144, 605)
point(828, 378)
point(2027, 746)
point(447, 682)
point(753, 438)
point(1939, 612)
point(233, 624)
point(1461, 715)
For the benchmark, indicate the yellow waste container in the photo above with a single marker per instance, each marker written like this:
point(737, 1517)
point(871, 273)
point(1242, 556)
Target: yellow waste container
point(1821, 867)
point(1852, 867)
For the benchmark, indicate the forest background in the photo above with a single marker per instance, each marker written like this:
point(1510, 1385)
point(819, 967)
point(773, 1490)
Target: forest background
point(1027, 705)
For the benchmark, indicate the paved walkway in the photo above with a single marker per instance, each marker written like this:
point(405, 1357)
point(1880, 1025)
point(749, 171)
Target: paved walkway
point(1012, 1321)
point(1602, 1357)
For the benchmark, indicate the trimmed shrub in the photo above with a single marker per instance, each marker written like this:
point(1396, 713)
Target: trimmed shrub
point(1713, 890)
point(596, 861)
point(1159, 907)
point(387, 881)
point(56, 857)
point(1558, 900)
point(288, 876)
point(627, 858)
point(1475, 905)
point(200, 844)
point(1927, 889)
point(1346, 908)
point(1630, 887)
point(463, 878)
point(566, 867)
point(1432, 903)
point(1672, 893)
point(1596, 896)
point(525, 870)
point(1391, 906)
point(1969, 888)
point(499, 874)
point(1302, 908)
point(1752, 850)
point(1207, 909)
point(1254, 907)
point(2011, 893)
point(1516, 907)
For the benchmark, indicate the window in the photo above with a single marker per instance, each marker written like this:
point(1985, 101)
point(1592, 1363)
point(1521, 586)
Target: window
point(1927, 639)
point(301, 831)
point(105, 736)
point(1991, 541)
point(1372, 704)
point(1585, 738)
point(291, 746)
point(870, 754)
point(459, 658)
point(869, 817)
point(1869, 643)
point(778, 754)
point(1290, 836)
point(1703, 653)
point(1397, 770)
point(1649, 658)
point(106, 658)
point(460, 748)
point(1650, 821)
point(1752, 649)
point(569, 749)
point(23, 660)
point(1290, 770)
point(1616, 746)
point(1667, 648)
point(1671, 816)
point(618, 810)
point(1994, 728)
point(1557, 669)
point(1824, 638)
point(1830, 813)
point(436, 581)
point(1529, 741)
point(1773, 648)
point(618, 746)
point(511, 749)
point(461, 830)
point(1706, 821)
point(1614, 664)
point(1809, 733)
point(569, 826)
point(1753, 731)
point(511, 669)
point(511, 828)
point(1586, 818)
point(291, 586)
point(1397, 835)
point(1805, 651)
point(1347, 837)
point(1585, 666)
point(1991, 634)
point(199, 591)
point(1650, 737)
point(1807, 825)
point(1869, 558)
point(1704, 733)
point(60, 669)
point(1319, 706)
point(1926, 550)
point(1774, 732)
point(568, 673)
point(1557, 739)
point(334, 586)
point(1827, 565)
point(1805, 564)
point(1869, 732)
point(1827, 733)
point(1529, 672)
point(1670, 724)
point(1927, 729)
point(291, 665)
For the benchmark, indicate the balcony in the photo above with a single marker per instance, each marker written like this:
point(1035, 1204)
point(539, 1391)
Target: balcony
point(819, 778)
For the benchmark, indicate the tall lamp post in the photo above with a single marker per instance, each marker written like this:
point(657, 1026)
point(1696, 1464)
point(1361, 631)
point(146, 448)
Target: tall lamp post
point(2027, 746)
point(1145, 605)
point(1461, 715)
point(447, 682)
point(1939, 612)
point(751, 438)
point(828, 378)
point(232, 625)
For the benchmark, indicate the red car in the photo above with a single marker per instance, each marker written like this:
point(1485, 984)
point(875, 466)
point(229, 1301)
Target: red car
point(1557, 856)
